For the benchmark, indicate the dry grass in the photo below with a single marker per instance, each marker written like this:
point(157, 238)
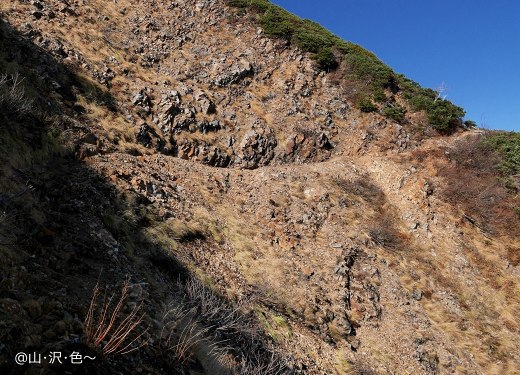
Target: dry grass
point(108, 328)
point(12, 95)
point(276, 326)
point(118, 129)
point(199, 322)
point(170, 233)
point(513, 254)
point(362, 187)
point(384, 234)
point(181, 332)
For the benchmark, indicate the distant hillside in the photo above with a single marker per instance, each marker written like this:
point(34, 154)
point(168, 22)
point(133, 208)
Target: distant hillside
point(376, 83)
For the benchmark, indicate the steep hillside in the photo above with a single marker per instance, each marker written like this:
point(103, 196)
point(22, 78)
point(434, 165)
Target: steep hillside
point(220, 187)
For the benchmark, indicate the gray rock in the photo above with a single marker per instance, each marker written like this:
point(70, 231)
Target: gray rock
point(237, 73)
point(143, 101)
point(211, 126)
point(257, 148)
point(206, 106)
point(149, 138)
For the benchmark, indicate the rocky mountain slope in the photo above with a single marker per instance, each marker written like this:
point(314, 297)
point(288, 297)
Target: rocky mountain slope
point(259, 220)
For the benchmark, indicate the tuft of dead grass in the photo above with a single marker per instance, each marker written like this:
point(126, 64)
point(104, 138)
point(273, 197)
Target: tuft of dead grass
point(199, 320)
point(108, 329)
point(12, 95)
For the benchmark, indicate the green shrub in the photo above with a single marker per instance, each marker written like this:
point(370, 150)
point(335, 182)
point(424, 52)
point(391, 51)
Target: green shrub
point(310, 41)
point(395, 112)
point(257, 5)
point(364, 65)
point(444, 116)
point(379, 95)
point(508, 146)
point(470, 124)
point(366, 105)
point(326, 59)
point(276, 23)
point(421, 100)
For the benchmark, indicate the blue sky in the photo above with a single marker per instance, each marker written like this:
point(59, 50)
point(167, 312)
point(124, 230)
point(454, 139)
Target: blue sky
point(470, 46)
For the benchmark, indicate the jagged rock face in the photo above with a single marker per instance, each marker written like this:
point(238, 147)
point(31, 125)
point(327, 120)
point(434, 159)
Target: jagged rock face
point(169, 107)
point(204, 153)
point(222, 82)
point(149, 138)
point(234, 74)
point(254, 169)
point(256, 148)
point(301, 147)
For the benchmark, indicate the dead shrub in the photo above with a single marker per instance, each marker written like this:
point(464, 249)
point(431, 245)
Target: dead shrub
point(473, 183)
point(384, 234)
point(363, 188)
point(108, 328)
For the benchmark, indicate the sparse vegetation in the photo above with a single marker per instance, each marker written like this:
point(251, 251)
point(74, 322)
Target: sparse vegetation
point(508, 147)
point(12, 95)
point(363, 188)
point(385, 235)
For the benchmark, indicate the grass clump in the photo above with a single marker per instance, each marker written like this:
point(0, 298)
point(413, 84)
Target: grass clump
point(276, 326)
point(12, 95)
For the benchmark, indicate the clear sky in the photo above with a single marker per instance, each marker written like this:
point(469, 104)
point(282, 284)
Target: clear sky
point(470, 46)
